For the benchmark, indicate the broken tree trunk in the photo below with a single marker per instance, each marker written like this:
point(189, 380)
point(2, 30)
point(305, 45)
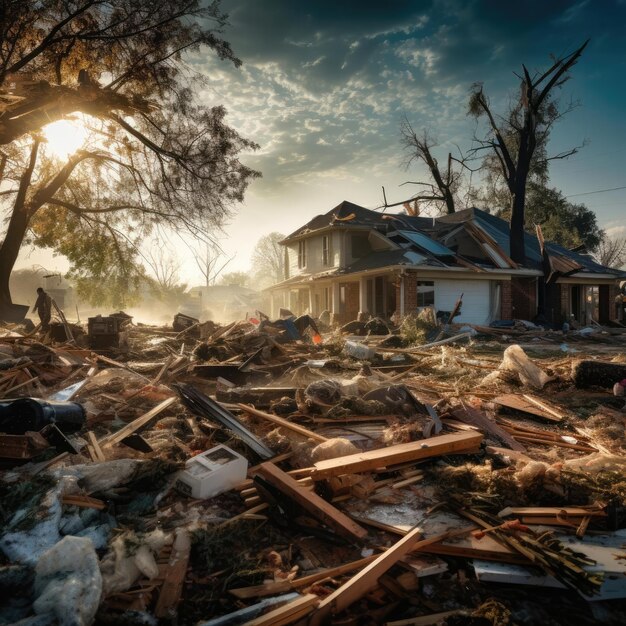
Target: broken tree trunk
point(597, 374)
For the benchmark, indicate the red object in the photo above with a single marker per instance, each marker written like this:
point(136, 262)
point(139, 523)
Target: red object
point(317, 339)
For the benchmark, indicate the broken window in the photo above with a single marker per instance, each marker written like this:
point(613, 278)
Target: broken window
point(302, 254)
point(425, 293)
point(325, 250)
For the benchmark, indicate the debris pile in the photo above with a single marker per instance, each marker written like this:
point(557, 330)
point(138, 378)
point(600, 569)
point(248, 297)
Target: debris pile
point(260, 472)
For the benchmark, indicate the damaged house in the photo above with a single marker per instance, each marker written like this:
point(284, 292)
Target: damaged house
point(356, 262)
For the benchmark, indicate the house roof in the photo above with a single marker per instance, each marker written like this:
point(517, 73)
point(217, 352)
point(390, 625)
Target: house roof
point(344, 214)
point(420, 240)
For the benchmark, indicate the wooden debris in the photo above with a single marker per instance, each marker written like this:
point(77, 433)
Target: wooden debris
point(598, 374)
point(394, 455)
point(172, 587)
point(367, 578)
point(288, 613)
point(135, 425)
point(529, 404)
point(85, 502)
point(311, 502)
point(275, 419)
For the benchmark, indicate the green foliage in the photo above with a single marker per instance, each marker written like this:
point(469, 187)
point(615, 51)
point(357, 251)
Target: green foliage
point(414, 329)
point(155, 156)
point(561, 221)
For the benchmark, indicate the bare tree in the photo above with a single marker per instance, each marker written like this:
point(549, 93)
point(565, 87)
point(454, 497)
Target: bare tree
point(442, 191)
point(211, 262)
point(268, 258)
point(611, 251)
point(163, 265)
point(514, 139)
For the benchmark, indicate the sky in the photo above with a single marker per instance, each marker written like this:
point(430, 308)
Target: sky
point(324, 86)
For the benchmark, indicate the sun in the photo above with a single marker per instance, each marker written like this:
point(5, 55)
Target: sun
point(64, 137)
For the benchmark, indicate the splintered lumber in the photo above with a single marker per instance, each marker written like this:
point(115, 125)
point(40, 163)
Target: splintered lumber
point(249, 612)
point(282, 586)
point(84, 502)
point(425, 620)
point(312, 503)
point(305, 432)
point(288, 613)
point(130, 428)
point(402, 453)
point(172, 587)
point(593, 510)
point(530, 405)
point(598, 374)
point(480, 420)
point(367, 578)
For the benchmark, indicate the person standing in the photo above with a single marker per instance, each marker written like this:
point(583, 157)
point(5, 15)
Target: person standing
point(43, 306)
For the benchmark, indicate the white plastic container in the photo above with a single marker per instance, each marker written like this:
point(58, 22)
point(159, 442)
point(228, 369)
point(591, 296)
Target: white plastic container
point(359, 350)
point(212, 472)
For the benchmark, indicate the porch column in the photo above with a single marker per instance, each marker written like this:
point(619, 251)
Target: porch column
point(402, 308)
point(363, 312)
point(335, 308)
point(311, 301)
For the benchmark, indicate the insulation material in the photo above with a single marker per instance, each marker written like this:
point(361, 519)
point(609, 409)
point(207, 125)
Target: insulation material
point(68, 583)
point(516, 363)
point(332, 449)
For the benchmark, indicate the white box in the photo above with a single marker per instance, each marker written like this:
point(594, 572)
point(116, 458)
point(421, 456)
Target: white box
point(212, 472)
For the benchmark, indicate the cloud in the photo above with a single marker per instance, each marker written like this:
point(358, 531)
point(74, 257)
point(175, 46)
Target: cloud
point(329, 82)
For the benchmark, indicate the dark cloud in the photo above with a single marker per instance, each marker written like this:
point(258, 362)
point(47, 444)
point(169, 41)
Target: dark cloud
point(325, 84)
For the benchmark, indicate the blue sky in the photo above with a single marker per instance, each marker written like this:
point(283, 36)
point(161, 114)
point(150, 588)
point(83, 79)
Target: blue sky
point(325, 84)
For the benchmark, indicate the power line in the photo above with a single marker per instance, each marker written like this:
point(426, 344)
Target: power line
point(588, 193)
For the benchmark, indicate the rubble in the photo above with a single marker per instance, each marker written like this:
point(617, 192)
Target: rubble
point(253, 473)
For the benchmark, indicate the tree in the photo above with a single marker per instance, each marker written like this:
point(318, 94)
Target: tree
point(211, 262)
point(241, 279)
point(268, 259)
point(611, 251)
point(514, 140)
point(442, 191)
point(570, 225)
point(154, 153)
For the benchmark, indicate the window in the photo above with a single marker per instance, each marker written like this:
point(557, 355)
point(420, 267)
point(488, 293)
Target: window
point(425, 293)
point(302, 254)
point(325, 250)
point(360, 245)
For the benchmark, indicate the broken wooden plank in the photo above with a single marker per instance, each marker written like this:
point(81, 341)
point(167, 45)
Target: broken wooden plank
point(424, 620)
point(367, 578)
point(130, 428)
point(401, 453)
point(528, 404)
point(97, 450)
point(172, 587)
point(288, 613)
point(282, 586)
point(305, 432)
point(476, 418)
point(312, 503)
point(85, 502)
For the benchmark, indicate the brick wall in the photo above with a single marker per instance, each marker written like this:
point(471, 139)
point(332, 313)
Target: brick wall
point(410, 293)
point(506, 301)
point(523, 298)
point(566, 304)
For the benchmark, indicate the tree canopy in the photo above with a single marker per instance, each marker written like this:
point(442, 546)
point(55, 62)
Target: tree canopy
point(568, 224)
point(156, 154)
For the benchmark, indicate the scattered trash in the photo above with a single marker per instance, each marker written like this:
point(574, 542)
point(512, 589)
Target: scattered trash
point(275, 472)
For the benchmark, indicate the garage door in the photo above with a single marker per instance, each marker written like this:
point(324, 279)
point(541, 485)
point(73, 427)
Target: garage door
point(476, 299)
